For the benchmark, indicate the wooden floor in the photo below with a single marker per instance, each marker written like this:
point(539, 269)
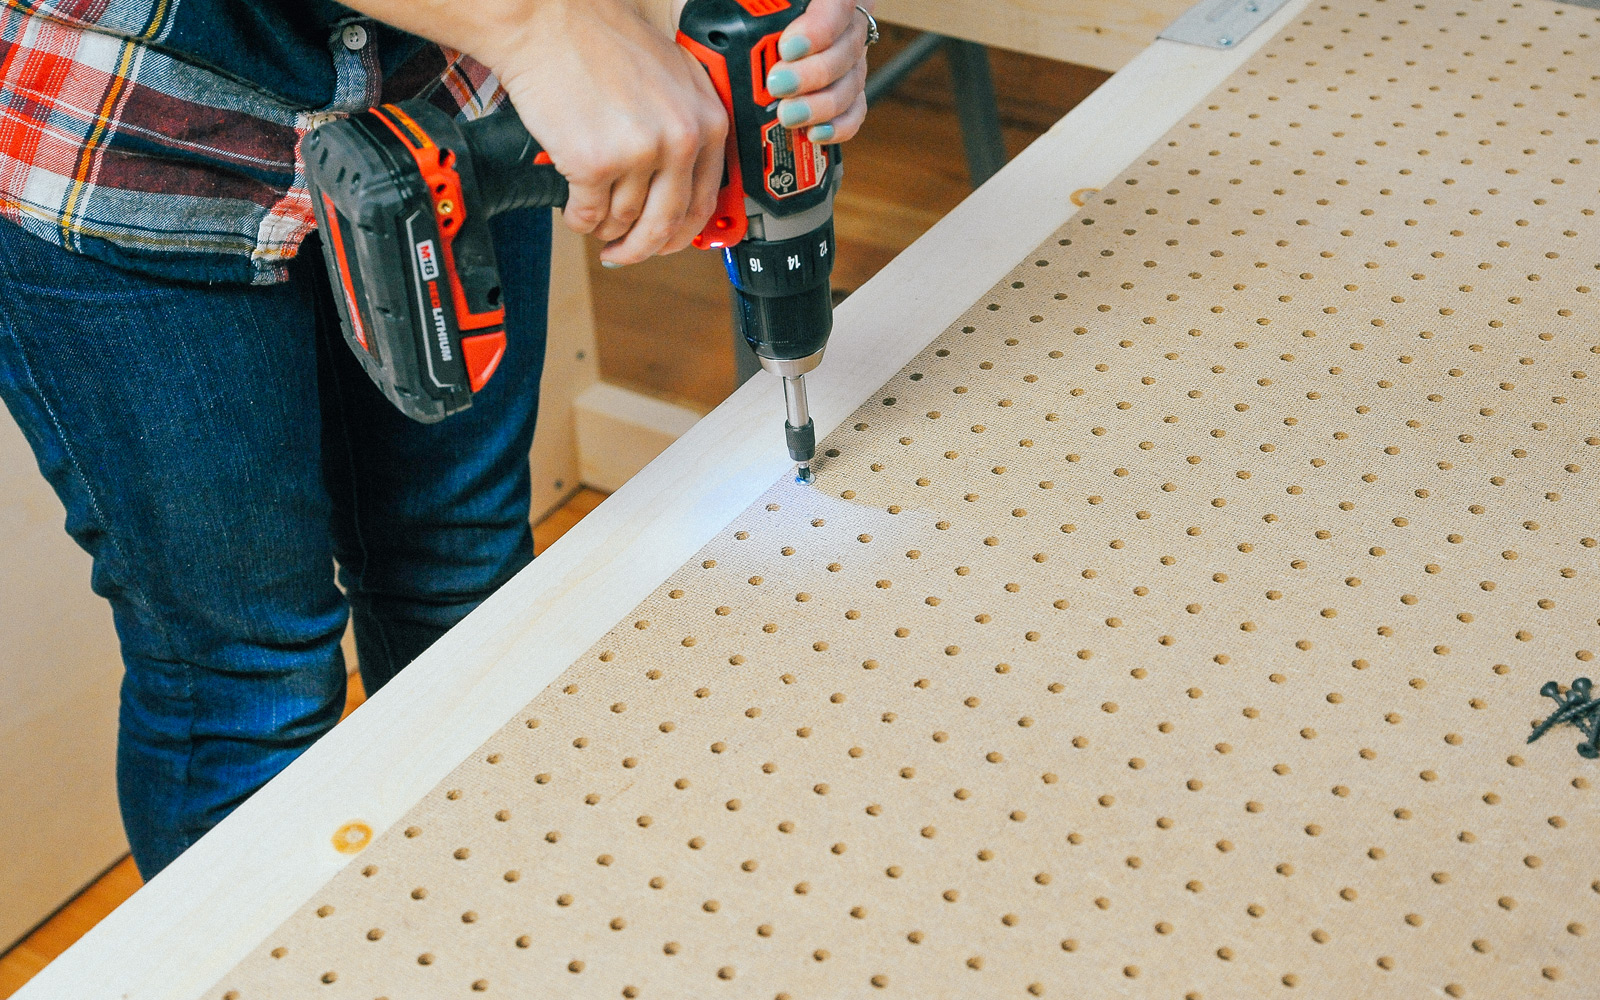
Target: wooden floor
point(579, 506)
point(74, 920)
point(70, 923)
point(663, 325)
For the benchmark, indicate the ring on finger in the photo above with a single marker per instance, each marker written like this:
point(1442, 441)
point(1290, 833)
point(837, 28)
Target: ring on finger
point(872, 26)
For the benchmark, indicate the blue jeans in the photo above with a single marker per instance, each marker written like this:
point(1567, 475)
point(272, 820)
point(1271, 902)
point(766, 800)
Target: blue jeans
point(217, 448)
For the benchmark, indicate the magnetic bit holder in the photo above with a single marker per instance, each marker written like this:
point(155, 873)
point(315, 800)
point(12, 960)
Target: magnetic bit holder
point(1578, 707)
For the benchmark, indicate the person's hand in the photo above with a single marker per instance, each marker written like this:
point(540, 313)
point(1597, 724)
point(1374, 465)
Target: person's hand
point(628, 117)
point(823, 75)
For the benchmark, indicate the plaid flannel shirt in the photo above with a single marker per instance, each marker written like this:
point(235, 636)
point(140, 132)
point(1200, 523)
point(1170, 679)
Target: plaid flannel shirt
point(150, 134)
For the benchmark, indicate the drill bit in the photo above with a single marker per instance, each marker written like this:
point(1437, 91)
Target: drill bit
point(798, 427)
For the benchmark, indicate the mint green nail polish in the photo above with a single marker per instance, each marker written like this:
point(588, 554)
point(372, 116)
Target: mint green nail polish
point(783, 82)
point(794, 47)
point(610, 265)
point(821, 133)
point(792, 113)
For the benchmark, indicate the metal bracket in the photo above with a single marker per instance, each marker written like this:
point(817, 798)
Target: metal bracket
point(1220, 24)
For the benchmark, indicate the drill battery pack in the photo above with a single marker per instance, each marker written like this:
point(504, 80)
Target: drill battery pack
point(415, 276)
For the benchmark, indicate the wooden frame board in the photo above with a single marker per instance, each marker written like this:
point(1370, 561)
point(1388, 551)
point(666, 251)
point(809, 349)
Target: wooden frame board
point(571, 367)
point(1105, 34)
point(211, 907)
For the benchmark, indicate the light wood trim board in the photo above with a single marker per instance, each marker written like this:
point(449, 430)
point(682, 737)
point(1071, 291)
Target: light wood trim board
point(1105, 34)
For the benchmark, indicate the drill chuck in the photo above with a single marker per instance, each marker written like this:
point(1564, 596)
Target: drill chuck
point(783, 303)
point(783, 300)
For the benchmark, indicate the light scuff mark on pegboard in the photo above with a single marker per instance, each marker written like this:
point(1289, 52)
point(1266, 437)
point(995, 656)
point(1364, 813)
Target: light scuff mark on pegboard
point(1171, 627)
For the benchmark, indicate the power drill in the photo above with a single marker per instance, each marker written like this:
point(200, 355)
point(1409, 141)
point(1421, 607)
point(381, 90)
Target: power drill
point(403, 195)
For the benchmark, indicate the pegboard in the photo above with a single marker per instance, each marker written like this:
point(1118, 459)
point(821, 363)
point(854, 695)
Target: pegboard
point(1171, 627)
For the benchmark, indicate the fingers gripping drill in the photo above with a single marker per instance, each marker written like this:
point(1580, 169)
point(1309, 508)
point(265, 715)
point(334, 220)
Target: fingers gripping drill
point(403, 195)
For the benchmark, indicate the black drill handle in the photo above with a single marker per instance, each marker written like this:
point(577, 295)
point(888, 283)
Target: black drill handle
point(506, 160)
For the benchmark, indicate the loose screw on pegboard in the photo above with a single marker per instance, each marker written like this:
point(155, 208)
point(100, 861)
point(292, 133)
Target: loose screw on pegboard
point(1577, 707)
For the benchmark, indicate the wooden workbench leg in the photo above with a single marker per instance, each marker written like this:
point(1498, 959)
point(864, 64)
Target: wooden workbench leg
point(570, 367)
